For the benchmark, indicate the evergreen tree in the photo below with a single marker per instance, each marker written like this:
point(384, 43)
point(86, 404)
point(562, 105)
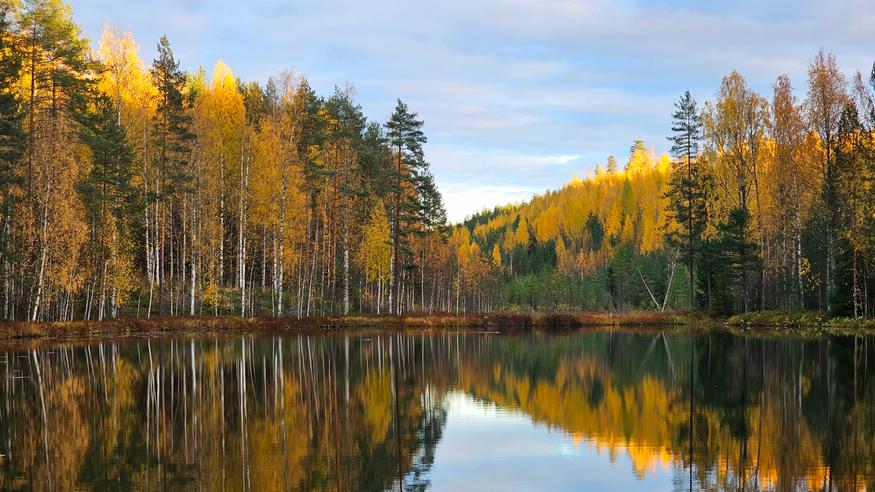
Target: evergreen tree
point(56, 69)
point(687, 189)
point(735, 259)
point(432, 214)
point(375, 159)
point(172, 139)
point(172, 122)
point(847, 194)
point(346, 179)
point(405, 137)
point(612, 165)
point(11, 132)
point(112, 205)
point(595, 230)
point(827, 96)
point(55, 60)
point(12, 136)
point(109, 183)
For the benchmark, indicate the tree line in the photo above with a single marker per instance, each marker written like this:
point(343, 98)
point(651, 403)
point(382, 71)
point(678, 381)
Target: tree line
point(134, 189)
point(765, 203)
point(778, 209)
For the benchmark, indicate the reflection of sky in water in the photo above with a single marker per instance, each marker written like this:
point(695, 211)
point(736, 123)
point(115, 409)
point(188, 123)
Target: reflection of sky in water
point(485, 447)
point(601, 411)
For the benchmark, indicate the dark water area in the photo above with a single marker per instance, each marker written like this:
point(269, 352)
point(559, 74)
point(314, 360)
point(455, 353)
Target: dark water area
point(440, 411)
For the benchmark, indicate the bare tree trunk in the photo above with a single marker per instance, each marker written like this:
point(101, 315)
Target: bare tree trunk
point(391, 309)
point(279, 262)
point(652, 297)
point(422, 282)
point(855, 284)
point(194, 270)
point(241, 241)
point(312, 275)
point(345, 273)
point(274, 271)
point(668, 288)
point(222, 219)
point(43, 253)
point(101, 304)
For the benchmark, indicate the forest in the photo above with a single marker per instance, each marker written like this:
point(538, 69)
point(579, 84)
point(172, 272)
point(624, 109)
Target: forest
point(764, 204)
point(135, 189)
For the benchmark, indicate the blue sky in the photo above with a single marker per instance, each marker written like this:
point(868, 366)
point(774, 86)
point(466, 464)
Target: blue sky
point(517, 96)
point(485, 447)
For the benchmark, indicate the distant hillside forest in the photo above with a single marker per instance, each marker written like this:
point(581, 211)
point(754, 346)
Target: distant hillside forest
point(135, 189)
point(763, 204)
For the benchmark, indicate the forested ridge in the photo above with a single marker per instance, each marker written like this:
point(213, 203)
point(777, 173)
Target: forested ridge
point(764, 204)
point(132, 188)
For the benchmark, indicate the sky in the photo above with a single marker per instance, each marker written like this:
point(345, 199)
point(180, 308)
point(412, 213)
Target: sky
point(489, 448)
point(518, 96)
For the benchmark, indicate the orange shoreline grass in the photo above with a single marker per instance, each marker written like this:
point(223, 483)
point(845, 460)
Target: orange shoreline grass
point(765, 322)
point(502, 322)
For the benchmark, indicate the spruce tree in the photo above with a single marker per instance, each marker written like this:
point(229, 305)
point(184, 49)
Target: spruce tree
point(109, 184)
point(375, 159)
point(687, 191)
point(432, 214)
point(172, 139)
point(735, 256)
point(172, 121)
point(848, 196)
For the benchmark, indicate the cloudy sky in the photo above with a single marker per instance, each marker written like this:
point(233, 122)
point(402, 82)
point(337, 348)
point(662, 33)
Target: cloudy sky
point(517, 96)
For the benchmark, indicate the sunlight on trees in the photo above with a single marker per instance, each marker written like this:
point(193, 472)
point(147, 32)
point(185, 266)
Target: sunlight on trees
point(133, 189)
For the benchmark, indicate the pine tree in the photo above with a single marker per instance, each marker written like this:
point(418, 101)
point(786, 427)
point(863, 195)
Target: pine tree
point(405, 137)
point(12, 136)
point(109, 183)
point(58, 68)
point(55, 59)
point(686, 192)
point(375, 159)
point(12, 139)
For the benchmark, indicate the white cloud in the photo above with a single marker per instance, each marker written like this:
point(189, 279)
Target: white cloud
point(494, 163)
point(465, 199)
point(511, 91)
point(565, 159)
point(472, 179)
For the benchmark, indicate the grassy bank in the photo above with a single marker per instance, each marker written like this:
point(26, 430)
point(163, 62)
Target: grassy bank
point(778, 322)
point(807, 323)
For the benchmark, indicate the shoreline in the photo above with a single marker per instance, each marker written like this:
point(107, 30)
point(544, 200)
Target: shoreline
point(769, 322)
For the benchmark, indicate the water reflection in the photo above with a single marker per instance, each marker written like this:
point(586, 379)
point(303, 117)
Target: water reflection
point(440, 411)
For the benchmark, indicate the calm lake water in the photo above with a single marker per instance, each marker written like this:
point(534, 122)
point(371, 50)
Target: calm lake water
point(446, 411)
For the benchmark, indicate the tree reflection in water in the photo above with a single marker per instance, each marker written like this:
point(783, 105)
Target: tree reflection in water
point(367, 411)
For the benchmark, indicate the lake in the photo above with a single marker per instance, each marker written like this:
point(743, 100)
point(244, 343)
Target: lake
point(444, 411)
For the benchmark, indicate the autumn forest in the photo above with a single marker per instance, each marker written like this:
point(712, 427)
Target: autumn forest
point(134, 188)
